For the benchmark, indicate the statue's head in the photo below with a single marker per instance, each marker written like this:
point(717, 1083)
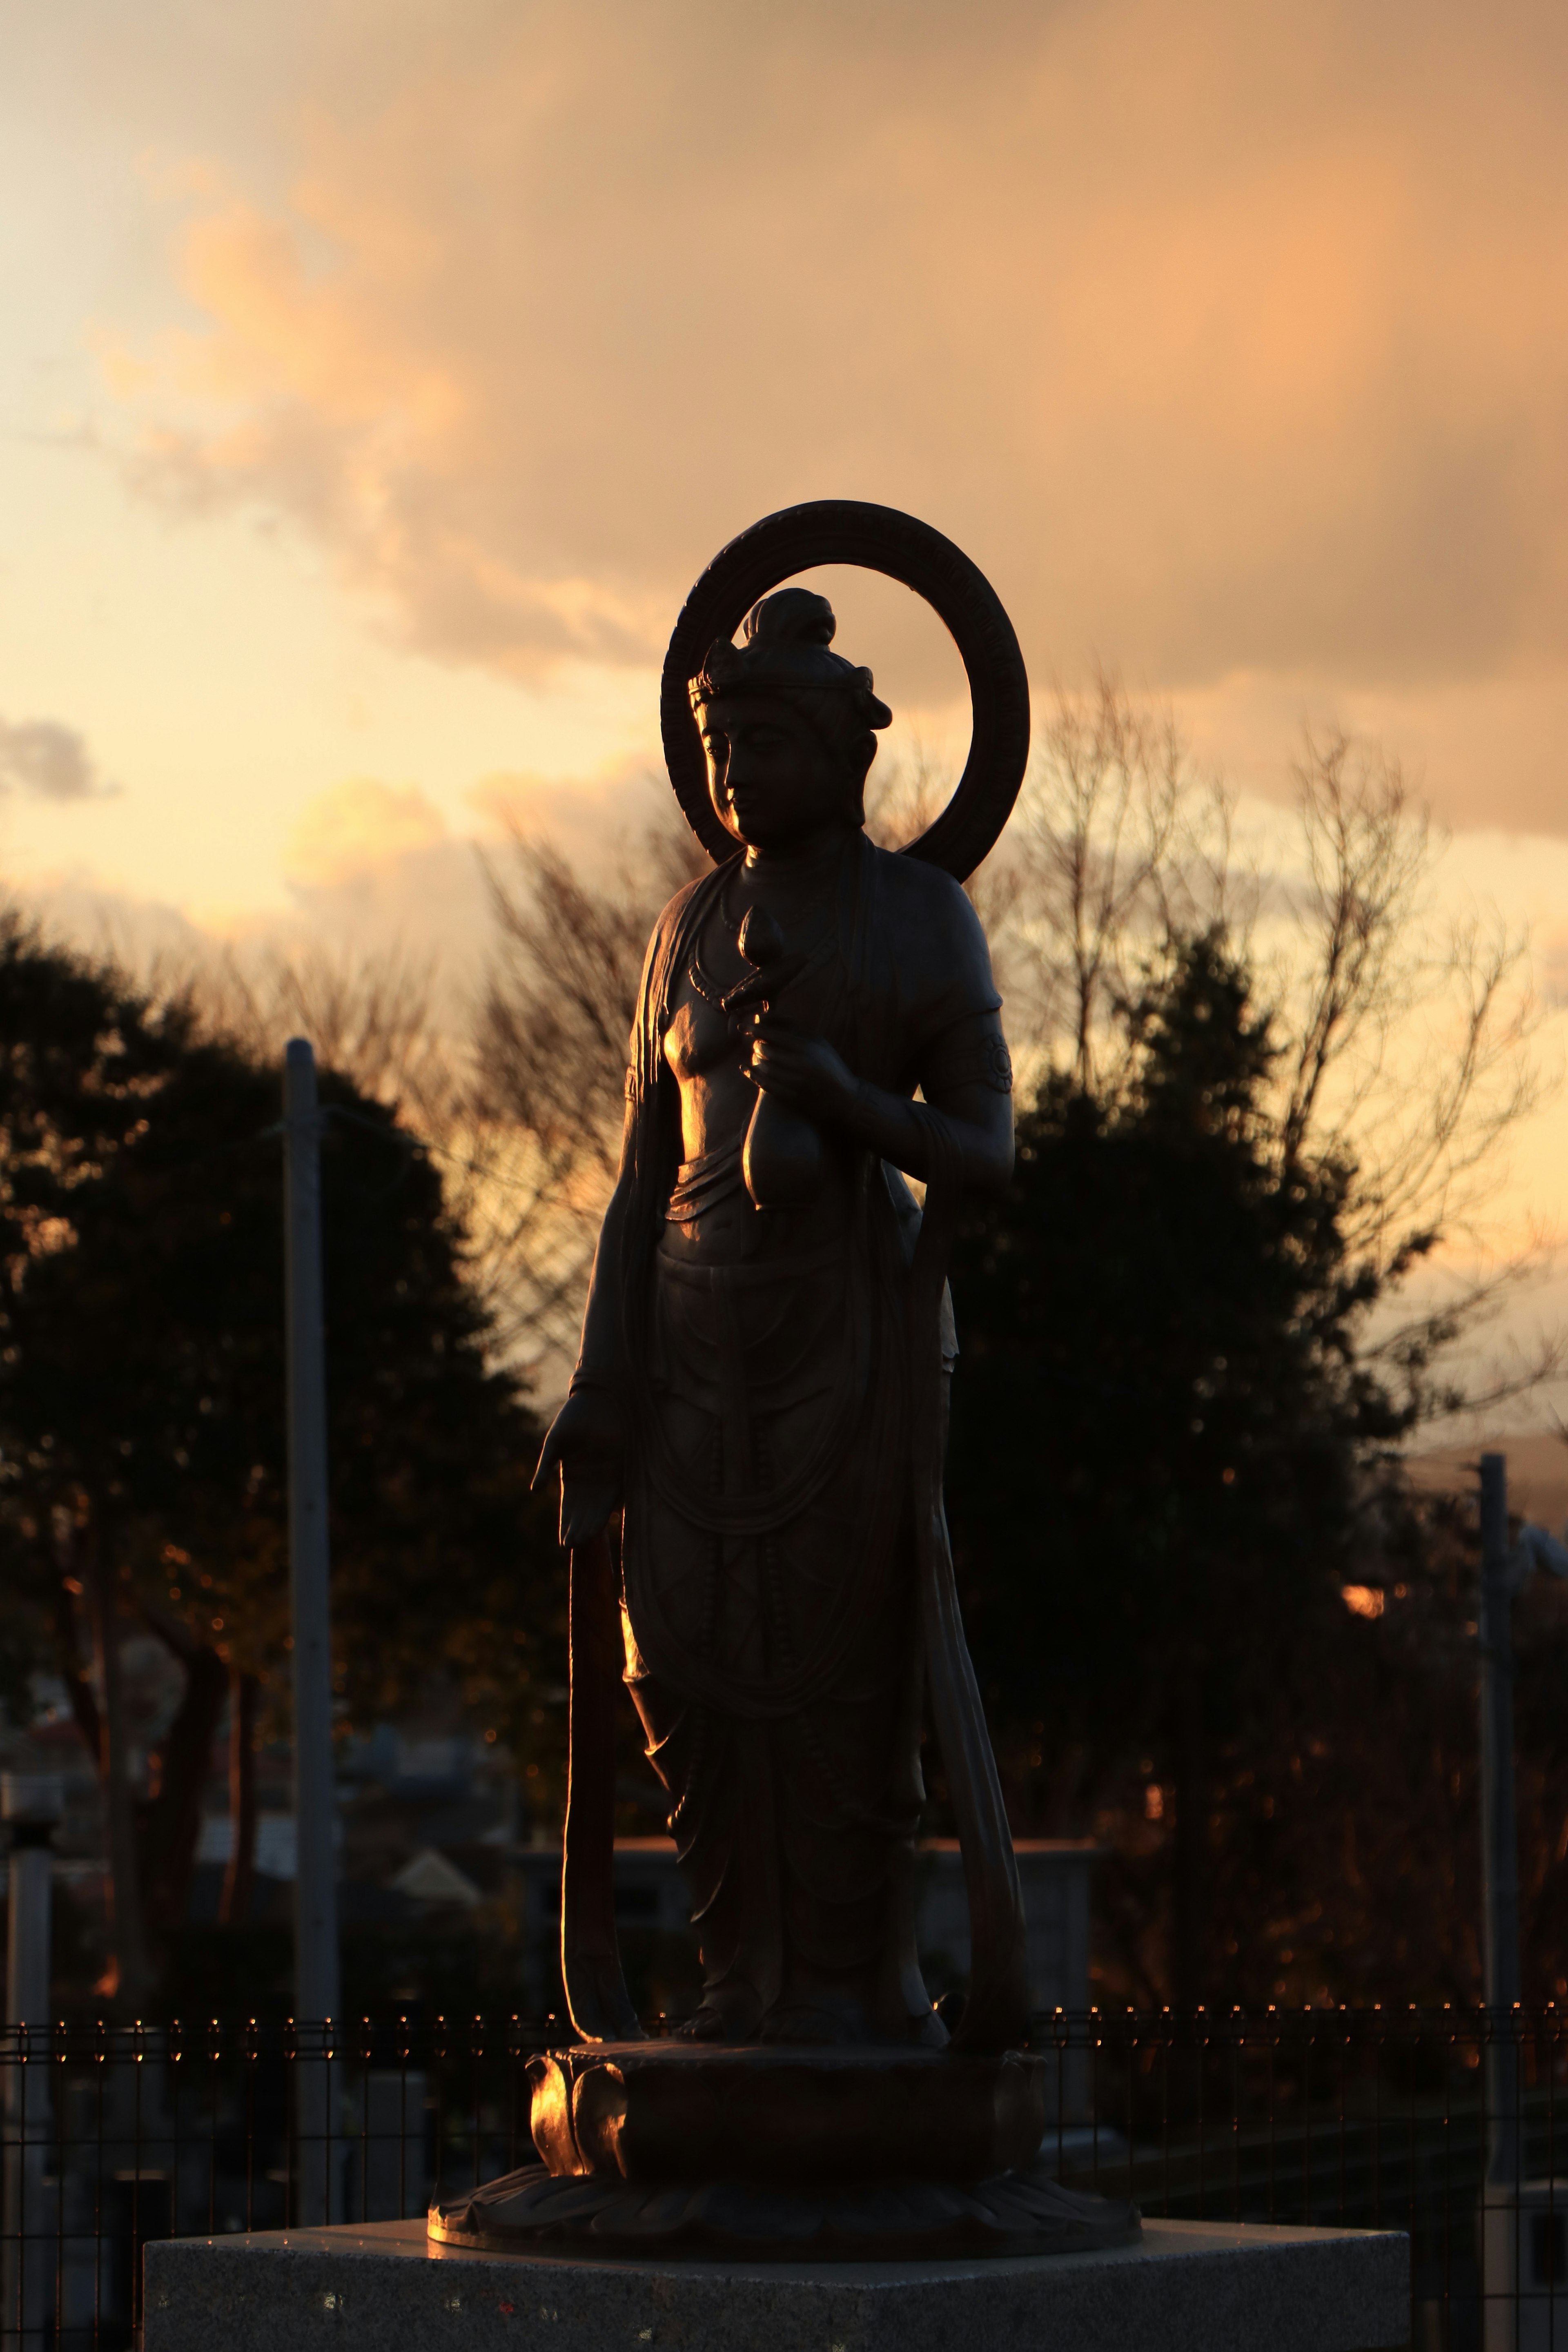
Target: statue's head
point(789, 726)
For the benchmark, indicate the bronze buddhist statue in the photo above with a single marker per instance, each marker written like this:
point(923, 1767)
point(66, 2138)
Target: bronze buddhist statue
point(761, 1400)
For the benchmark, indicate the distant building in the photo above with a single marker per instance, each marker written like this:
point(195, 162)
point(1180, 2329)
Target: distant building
point(651, 1903)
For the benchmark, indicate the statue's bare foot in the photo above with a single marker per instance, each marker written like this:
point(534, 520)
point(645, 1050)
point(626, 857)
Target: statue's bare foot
point(821, 2023)
point(728, 2013)
point(706, 2026)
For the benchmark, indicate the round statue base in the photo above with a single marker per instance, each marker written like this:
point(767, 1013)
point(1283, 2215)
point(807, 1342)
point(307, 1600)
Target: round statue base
point(1021, 2212)
point(734, 2152)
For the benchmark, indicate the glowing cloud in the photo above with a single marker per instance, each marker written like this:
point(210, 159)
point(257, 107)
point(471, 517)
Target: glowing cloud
point(1225, 338)
point(356, 827)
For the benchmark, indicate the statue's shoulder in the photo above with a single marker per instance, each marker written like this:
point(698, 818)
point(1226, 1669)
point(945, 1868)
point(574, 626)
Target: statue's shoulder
point(926, 890)
point(673, 912)
point(935, 941)
point(655, 966)
point(671, 920)
point(924, 904)
point(670, 913)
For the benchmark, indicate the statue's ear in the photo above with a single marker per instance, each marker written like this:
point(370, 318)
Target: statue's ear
point(862, 751)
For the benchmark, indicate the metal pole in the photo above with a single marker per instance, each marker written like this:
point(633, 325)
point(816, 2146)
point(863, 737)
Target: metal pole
point(1501, 2217)
point(1500, 1835)
point(31, 1805)
point(316, 1987)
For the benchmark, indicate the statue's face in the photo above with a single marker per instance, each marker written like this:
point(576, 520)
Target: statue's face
point(771, 778)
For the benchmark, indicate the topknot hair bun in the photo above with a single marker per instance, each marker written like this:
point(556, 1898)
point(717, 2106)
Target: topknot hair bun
point(788, 649)
point(792, 616)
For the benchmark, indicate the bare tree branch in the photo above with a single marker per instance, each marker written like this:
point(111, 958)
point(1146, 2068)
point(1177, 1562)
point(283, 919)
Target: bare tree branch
point(550, 1067)
point(1116, 847)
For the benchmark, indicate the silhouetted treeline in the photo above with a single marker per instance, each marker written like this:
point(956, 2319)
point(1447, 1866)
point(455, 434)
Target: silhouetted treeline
point(142, 1468)
point(1170, 1458)
point(1177, 1411)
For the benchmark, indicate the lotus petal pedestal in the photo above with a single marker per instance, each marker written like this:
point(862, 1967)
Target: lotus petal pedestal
point(723, 2153)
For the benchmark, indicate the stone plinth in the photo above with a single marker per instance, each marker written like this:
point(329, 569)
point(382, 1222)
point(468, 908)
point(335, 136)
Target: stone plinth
point(1186, 2286)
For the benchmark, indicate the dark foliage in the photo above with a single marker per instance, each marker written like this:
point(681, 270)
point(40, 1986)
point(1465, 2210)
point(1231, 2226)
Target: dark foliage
point(141, 1391)
point(1161, 1435)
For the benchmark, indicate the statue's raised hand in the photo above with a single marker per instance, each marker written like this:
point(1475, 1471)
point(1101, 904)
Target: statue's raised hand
point(805, 1073)
point(586, 1443)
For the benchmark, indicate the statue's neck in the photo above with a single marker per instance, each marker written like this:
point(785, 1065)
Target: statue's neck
point(802, 865)
point(802, 887)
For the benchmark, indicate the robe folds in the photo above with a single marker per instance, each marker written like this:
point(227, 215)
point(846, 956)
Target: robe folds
point(787, 1606)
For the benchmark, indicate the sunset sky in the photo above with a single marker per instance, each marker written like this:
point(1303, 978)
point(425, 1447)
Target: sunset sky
point(376, 375)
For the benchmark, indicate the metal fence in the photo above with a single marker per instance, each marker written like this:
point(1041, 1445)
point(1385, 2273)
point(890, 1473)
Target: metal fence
point(1376, 2120)
point(1442, 2123)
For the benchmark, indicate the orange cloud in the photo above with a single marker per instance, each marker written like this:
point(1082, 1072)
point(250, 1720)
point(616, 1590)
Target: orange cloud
point(357, 826)
point(1228, 339)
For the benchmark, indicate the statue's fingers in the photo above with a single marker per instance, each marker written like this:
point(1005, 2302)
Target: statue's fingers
point(778, 1074)
point(549, 1458)
point(584, 1513)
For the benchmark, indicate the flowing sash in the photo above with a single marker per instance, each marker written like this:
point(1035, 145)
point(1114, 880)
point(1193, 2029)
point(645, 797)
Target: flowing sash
point(996, 2012)
point(596, 1995)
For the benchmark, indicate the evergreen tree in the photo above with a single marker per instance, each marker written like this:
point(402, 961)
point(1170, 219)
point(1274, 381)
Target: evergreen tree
point(1159, 1435)
point(142, 1465)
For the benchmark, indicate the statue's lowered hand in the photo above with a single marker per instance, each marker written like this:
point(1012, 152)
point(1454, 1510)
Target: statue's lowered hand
point(586, 1443)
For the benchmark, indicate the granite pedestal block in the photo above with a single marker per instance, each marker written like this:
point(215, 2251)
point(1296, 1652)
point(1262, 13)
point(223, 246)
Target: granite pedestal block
point(1187, 2286)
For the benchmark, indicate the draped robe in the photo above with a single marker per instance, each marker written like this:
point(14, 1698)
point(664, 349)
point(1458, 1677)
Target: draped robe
point(785, 1425)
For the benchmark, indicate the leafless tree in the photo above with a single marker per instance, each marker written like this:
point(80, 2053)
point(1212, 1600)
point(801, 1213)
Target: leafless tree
point(1404, 1028)
point(1117, 848)
point(1405, 1031)
point(372, 1017)
point(549, 1061)
point(1408, 1030)
point(1407, 1025)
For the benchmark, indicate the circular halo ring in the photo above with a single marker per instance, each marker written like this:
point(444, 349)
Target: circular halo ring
point(877, 539)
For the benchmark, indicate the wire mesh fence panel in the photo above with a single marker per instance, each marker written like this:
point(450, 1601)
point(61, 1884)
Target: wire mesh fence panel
point(1285, 2116)
point(113, 2135)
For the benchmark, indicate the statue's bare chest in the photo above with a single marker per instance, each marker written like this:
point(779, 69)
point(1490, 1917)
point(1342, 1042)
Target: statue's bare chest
point(700, 1039)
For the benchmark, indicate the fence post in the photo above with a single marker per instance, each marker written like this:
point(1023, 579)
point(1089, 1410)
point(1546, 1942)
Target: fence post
point(31, 1805)
point(1502, 2218)
point(1500, 1831)
point(318, 2166)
